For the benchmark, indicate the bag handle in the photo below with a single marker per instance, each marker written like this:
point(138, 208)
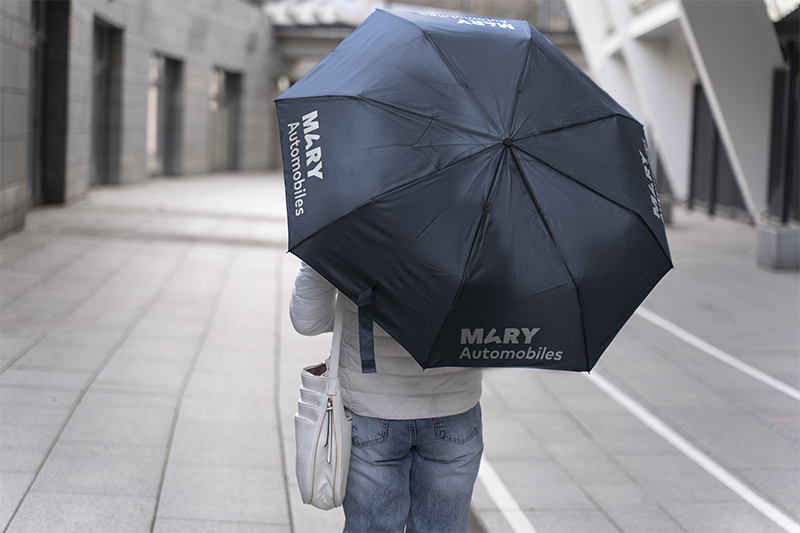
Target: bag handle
point(336, 343)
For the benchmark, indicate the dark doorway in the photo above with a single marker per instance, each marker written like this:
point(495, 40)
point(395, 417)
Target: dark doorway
point(713, 184)
point(164, 116)
point(47, 117)
point(225, 104)
point(106, 103)
point(784, 169)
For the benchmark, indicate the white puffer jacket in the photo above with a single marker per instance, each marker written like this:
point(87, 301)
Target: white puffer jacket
point(400, 389)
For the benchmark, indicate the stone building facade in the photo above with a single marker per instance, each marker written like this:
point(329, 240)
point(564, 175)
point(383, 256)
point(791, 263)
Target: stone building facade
point(115, 91)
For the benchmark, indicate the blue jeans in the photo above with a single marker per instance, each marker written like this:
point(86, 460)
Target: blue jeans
point(413, 475)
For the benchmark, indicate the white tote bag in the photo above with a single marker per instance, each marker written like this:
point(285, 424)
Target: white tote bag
point(323, 430)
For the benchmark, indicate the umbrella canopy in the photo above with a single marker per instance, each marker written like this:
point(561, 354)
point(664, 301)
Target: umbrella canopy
point(461, 175)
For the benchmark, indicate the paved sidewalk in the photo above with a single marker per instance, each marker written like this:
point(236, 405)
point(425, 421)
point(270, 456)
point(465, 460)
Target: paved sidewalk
point(140, 330)
point(150, 375)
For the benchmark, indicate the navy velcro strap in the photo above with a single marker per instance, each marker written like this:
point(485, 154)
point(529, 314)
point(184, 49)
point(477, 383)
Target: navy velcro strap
point(366, 337)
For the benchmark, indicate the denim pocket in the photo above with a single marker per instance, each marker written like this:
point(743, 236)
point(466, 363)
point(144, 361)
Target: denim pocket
point(368, 431)
point(459, 428)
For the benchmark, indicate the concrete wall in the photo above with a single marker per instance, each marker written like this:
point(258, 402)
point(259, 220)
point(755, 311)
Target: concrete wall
point(14, 64)
point(203, 34)
point(664, 77)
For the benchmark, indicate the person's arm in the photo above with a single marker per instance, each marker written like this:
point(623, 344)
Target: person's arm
point(312, 305)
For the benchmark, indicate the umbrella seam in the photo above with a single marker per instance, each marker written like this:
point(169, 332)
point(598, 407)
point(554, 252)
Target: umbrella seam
point(578, 124)
point(561, 172)
point(666, 253)
point(455, 72)
point(555, 99)
point(441, 213)
point(518, 91)
point(394, 108)
point(555, 244)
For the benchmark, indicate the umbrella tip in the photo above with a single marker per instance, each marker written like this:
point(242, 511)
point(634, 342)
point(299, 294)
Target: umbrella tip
point(507, 141)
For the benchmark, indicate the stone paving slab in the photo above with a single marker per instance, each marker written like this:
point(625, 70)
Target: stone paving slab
point(59, 512)
point(102, 468)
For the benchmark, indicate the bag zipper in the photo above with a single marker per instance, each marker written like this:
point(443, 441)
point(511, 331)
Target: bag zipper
point(329, 435)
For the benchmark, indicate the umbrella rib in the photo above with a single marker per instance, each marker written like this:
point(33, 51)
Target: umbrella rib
point(427, 176)
point(578, 124)
point(593, 191)
point(426, 36)
point(456, 74)
point(442, 211)
point(564, 262)
point(518, 91)
point(396, 109)
point(401, 110)
point(390, 191)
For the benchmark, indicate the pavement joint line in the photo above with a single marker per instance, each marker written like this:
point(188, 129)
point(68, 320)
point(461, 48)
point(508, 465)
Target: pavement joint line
point(167, 212)
point(29, 251)
point(503, 499)
point(700, 458)
point(28, 386)
point(149, 236)
point(276, 388)
point(102, 282)
point(730, 395)
point(50, 274)
point(580, 426)
point(53, 369)
point(718, 354)
point(206, 521)
point(36, 340)
point(201, 341)
point(82, 392)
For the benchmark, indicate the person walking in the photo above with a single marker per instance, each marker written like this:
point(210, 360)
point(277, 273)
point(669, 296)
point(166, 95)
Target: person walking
point(417, 435)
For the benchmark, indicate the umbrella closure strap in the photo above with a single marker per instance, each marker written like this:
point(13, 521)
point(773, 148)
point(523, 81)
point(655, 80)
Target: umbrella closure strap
point(366, 337)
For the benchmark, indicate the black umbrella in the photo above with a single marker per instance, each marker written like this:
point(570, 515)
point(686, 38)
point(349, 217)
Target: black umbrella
point(461, 179)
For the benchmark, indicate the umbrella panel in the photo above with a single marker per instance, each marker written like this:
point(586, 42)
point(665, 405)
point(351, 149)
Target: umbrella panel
point(365, 148)
point(557, 94)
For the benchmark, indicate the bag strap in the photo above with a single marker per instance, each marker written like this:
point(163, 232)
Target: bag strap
point(336, 343)
point(366, 339)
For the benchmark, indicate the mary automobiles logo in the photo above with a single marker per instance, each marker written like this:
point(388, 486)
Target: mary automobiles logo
point(648, 172)
point(511, 343)
point(470, 20)
point(313, 158)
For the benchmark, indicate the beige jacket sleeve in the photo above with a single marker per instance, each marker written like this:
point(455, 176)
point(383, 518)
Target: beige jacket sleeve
point(312, 306)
